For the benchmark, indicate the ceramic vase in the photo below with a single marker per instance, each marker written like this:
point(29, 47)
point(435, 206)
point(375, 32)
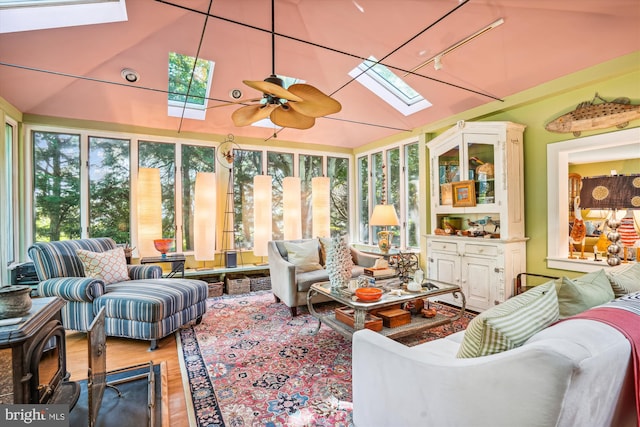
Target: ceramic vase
point(339, 263)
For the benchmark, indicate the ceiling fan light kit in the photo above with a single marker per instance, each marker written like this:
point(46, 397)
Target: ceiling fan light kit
point(294, 107)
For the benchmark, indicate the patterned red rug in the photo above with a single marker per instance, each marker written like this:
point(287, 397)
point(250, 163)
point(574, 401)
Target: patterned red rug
point(250, 364)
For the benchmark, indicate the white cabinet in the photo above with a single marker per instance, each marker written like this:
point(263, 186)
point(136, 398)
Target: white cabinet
point(485, 269)
point(477, 210)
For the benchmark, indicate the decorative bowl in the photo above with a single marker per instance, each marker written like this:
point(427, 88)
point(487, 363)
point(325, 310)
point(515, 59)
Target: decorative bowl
point(369, 294)
point(163, 245)
point(15, 301)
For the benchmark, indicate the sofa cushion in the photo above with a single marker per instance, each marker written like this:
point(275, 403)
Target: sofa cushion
point(625, 279)
point(109, 266)
point(304, 255)
point(583, 292)
point(511, 323)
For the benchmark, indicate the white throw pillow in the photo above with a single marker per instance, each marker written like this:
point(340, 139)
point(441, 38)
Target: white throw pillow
point(109, 266)
point(304, 255)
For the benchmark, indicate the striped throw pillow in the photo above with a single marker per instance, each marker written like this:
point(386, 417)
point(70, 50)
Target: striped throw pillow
point(109, 266)
point(511, 323)
point(625, 279)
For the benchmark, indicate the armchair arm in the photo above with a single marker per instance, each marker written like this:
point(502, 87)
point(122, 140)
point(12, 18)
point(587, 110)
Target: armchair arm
point(137, 272)
point(84, 289)
point(362, 259)
point(283, 276)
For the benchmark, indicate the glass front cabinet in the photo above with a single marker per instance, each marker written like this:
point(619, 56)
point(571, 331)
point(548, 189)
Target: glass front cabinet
point(476, 237)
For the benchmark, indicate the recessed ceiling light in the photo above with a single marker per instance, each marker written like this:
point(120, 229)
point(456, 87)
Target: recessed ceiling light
point(131, 76)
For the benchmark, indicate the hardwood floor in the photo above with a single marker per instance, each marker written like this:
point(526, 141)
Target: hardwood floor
point(122, 352)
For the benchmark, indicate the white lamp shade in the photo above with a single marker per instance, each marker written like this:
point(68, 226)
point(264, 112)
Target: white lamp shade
point(384, 215)
point(262, 229)
point(291, 206)
point(149, 210)
point(204, 217)
point(320, 189)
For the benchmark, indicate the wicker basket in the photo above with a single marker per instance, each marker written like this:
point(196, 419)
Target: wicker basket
point(215, 289)
point(238, 285)
point(260, 283)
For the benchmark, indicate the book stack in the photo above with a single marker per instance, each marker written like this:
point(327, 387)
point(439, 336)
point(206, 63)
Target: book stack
point(380, 272)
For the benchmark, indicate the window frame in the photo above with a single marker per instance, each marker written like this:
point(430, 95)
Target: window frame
point(373, 184)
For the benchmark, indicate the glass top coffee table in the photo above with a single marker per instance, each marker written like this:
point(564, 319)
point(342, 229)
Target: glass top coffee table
point(389, 299)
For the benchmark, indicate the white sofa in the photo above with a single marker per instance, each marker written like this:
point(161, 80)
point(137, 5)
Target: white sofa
point(573, 373)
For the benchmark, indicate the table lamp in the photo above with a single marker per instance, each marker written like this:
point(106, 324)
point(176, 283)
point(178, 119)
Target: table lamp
point(611, 192)
point(384, 215)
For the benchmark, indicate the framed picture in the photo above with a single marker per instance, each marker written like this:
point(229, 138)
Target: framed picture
point(446, 195)
point(464, 193)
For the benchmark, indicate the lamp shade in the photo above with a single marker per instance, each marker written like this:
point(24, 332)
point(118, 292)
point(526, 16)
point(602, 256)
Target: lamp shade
point(292, 210)
point(384, 215)
point(610, 192)
point(262, 229)
point(320, 189)
point(204, 217)
point(149, 210)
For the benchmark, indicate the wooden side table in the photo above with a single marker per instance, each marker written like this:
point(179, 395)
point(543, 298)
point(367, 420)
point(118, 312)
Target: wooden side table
point(177, 263)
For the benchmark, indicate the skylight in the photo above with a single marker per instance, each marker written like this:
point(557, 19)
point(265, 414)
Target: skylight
point(389, 87)
point(193, 103)
point(286, 82)
point(27, 15)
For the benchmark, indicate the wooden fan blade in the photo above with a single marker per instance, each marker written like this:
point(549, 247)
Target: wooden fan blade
point(315, 103)
point(242, 101)
point(244, 116)
point(289, 118)
point(272, 89)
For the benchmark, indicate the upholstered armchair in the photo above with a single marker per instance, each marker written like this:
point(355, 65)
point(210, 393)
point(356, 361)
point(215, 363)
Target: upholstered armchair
point(290, 284)
point(142, 306)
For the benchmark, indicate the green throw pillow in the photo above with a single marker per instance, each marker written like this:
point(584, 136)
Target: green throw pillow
point(511, 323)
point(304, 255)
point(625, 279)
point(582, 293)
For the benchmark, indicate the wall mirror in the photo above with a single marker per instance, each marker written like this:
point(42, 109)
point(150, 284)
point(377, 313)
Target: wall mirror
point(618, 145)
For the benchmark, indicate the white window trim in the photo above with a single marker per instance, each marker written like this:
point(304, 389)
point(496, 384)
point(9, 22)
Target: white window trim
point(559, 155)
point(29, 18)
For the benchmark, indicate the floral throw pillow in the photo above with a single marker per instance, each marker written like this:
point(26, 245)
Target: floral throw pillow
point(109, 266)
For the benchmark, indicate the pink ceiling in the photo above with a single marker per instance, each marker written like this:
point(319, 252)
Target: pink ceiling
point(75, 72)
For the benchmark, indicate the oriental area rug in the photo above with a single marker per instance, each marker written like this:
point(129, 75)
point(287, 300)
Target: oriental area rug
point(249, 363)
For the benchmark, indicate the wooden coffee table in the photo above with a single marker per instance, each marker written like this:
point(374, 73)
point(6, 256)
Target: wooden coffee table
point(361, 309)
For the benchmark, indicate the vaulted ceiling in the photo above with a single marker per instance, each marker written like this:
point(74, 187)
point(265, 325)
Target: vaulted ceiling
point(74, 72)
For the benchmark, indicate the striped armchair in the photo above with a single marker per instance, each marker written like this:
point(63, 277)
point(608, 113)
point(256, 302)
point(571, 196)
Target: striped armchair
point(146, 307)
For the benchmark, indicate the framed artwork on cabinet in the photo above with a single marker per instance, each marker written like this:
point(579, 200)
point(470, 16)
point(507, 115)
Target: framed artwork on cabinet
point(464, 194)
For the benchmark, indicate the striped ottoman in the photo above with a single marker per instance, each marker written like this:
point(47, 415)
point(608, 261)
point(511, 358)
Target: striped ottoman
point(151, 309)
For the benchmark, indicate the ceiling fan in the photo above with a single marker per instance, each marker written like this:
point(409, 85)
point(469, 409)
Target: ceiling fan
point(297, 106)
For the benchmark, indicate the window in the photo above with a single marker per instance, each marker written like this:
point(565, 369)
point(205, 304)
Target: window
point(194, 159)
point(390, 88)
point(246, 165)
point(162, 156)
point(9, 211)
point(397, 168)
point(393, 189)
point(189, 86)
point(109, 188)
point(338, 171)
point(279, 166)
point(309, 167)
point(412, 185)
point(363, 196)
point(56, 163)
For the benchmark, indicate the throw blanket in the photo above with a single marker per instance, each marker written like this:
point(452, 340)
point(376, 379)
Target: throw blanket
point(623, 314)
